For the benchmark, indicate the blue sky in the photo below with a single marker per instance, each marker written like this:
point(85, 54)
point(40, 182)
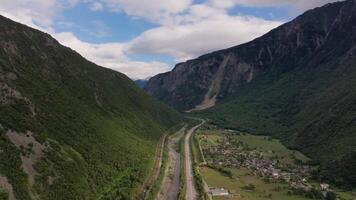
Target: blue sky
point(144, 37)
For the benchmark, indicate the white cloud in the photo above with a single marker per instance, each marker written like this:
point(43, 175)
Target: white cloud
point(111, 55)
point(206, 27)
point(35, 13)
point(156, 11)
point(296, 5)
point(202, 30)
point(141, 70)
point(197, 30)
point(96, 6)
point(29, 12)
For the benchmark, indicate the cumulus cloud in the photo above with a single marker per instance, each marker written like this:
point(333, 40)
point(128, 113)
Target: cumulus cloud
point(203, 29)
point(96, 6)
point(141, 70)
point(111, 55)
point(36, 13)
point(206, 27)
point(296, 5)
point(156, 11)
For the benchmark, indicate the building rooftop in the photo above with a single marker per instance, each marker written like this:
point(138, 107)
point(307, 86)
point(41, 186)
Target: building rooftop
point(218, 192)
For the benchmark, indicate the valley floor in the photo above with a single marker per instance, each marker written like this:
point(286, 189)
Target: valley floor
point(257, 168)
point(178, 178)
point(170, 183)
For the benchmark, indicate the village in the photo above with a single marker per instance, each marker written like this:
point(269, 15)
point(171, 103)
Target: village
point(230, 152)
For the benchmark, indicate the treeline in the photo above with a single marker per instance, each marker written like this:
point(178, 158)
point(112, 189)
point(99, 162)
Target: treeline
point(182, 186)
point(341, 172)
point(199, 183)
point(157, 184)
point(314, 194)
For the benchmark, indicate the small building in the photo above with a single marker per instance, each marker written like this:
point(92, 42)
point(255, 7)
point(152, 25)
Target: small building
point(218, 192)
point(275, 174)
point(324, 186)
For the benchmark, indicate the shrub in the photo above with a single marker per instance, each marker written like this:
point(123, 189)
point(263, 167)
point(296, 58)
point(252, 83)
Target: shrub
point(249, 187)
point(330, 196)
point(3, 195)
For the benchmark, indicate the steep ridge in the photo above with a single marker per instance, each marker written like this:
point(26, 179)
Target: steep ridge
point(288, 46)
point(297, 83)
point(70, 129)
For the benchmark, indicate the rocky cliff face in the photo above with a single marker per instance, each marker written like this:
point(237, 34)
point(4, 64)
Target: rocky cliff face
point(322, 32)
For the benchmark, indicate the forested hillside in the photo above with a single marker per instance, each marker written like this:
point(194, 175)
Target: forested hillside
point(70, 129)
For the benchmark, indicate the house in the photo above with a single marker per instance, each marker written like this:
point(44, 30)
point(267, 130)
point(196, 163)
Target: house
point(275, 174)
point(218, 192)
point(324, 186)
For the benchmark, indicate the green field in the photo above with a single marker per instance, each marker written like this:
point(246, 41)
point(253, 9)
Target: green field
point(243, 177)
point(273, 146)
point(212, 138)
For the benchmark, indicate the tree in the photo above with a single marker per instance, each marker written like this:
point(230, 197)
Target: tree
point(249, 187)
point(330, 196)
point(3, 195)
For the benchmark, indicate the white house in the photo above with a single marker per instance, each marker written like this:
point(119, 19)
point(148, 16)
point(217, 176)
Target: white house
point(218, 192)
point(324, 186)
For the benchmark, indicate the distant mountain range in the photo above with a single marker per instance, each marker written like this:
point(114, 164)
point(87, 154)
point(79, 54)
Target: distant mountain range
point(141, 82)
point(70, 129)
point(297, 83)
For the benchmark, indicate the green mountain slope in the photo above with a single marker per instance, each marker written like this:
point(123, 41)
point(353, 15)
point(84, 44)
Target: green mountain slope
point(297, 82)
point(311, 106)
point(70, 129)
point(313, 110)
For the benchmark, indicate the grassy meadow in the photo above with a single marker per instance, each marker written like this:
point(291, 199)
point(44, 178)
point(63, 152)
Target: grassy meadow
point(242, 178)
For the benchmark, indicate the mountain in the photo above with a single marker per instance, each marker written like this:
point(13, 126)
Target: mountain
point(141, 82)
point(296, 82)
point(70, 129)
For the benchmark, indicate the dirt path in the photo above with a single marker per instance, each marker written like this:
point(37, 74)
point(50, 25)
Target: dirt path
point(191, 193)
point(170, 183)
